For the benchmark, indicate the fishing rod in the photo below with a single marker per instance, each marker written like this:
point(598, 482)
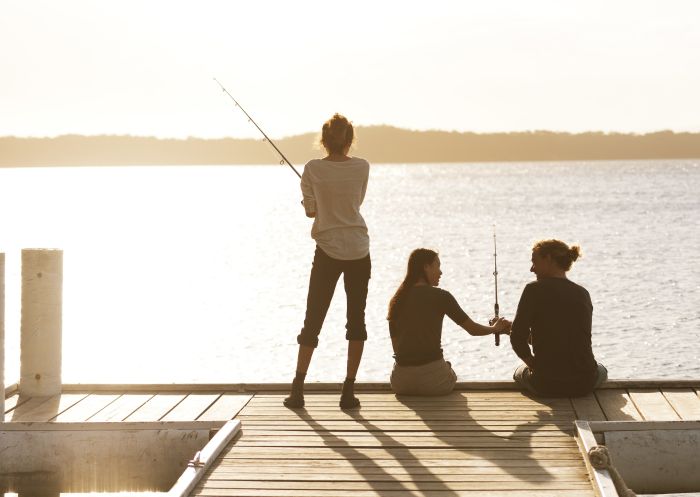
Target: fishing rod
point(495, 280)
point(284, 159)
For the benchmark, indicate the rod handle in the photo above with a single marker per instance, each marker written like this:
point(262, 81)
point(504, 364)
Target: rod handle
point(496, 336)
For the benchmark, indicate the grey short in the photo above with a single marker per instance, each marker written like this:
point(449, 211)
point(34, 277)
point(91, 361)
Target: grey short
point(434, 378)
point(523, 377)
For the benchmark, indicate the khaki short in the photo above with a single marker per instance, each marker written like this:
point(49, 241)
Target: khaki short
point(434, 378)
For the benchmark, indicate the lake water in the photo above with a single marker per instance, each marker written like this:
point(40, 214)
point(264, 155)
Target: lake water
point(199, 274)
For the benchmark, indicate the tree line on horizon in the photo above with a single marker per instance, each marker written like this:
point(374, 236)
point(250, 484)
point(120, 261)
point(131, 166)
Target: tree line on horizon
point(379, 144)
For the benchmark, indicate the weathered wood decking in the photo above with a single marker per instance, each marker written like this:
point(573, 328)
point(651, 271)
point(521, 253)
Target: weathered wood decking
point(482, 439)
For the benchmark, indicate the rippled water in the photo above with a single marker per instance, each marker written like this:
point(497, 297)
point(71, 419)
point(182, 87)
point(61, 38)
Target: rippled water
point(199, 274)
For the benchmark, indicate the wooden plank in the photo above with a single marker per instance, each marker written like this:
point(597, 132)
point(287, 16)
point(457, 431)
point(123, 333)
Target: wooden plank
point(371, 399)
point(216, 485)
point(322, 439)
point(374, 410)
point(456, 399)
point(600, 478)
point(226, 407)
point(604, 426)
point(384, 406)
point(86, 408)
point(427, 477)
point(12, 402)
point(435, 464)
point(156, 407)
point(652, 405)
point(685, 402)
point(191, 407)
point(314, 417)
point(121, 408)
point(254, 432)
point(372, 453)
point(453, 397)
point(342, 471)
point(506, 386)
point(204, 460)
point(400, 408)
point(617, 405)
point(461, 400)
point(387, 443)
point(11, 390)
point(392, 493)
point(24, 405)
point(46, 409)
point(50, 426)
point(588, 408)
point(408, 425)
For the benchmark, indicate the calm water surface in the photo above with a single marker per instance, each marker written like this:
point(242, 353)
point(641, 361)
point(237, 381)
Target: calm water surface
point(199, 274)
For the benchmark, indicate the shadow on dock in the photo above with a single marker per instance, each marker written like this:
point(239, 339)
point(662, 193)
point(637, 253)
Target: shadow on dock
point(498, 445)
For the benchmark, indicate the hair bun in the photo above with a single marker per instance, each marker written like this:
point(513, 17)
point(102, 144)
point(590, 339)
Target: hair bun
point(575, 252)
point(337, 133)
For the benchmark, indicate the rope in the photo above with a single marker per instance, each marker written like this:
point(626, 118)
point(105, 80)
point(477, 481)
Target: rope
point(600, 459)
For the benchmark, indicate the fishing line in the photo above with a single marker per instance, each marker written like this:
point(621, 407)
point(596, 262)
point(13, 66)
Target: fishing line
point(250, 119)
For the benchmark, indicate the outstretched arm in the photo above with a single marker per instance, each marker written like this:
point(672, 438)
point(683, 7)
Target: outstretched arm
point(456, 314)
point(476, 329)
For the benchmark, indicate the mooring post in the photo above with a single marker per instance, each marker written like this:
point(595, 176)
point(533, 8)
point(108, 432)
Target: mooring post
point(41, 324)
point(2, 336)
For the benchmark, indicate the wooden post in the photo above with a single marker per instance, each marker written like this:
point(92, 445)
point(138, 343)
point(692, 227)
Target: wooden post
point(41, 326)
point(2, 336)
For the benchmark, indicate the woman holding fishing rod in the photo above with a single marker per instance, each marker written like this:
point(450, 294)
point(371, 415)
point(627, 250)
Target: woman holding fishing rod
point(416, 312)
point(333, 189)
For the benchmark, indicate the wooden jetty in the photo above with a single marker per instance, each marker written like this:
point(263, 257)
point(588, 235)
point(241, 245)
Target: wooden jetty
point(486, 438)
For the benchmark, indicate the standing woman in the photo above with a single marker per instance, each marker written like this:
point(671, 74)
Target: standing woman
point(333, 189)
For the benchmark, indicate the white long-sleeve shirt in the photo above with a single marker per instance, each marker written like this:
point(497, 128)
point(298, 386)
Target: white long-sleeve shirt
point(334, 191)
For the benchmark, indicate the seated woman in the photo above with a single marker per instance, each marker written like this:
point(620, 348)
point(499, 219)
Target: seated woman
point(415, 319)
point(554, 315)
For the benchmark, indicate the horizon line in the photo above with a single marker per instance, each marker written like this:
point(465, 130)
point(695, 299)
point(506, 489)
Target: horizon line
point(432, 130)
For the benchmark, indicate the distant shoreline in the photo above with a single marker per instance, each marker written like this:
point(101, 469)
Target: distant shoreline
point(379, 144)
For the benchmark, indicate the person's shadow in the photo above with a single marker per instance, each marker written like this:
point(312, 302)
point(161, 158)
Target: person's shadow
point(505, 431)
point(386, 465)
point(442, 443)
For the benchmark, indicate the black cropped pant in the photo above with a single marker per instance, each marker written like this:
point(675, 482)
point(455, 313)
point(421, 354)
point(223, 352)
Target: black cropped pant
point(325, 272)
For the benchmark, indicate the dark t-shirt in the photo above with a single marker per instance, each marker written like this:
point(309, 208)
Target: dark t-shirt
point(557, 312)
point(417, 327)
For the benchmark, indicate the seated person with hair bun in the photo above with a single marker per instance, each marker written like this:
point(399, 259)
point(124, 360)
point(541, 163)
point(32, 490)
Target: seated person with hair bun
point(554, 316)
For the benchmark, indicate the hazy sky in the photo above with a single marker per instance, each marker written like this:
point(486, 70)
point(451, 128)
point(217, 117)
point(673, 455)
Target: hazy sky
point(146, 67)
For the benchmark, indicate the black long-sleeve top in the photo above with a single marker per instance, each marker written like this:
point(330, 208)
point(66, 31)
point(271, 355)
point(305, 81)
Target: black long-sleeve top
point(557, 313)
point(417, 329)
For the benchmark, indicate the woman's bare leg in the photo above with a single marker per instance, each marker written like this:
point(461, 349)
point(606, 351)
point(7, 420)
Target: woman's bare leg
point(296, 397)
point(355, 348)
point(347, 398)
